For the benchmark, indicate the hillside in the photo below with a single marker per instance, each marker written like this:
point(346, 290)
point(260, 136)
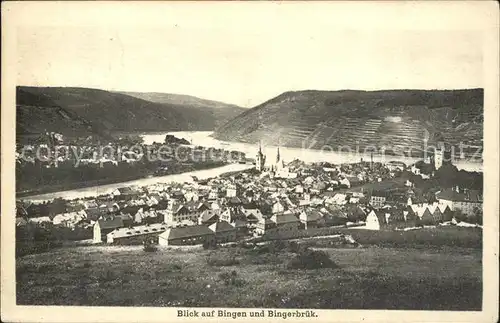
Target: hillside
point(395, 119)
point(205, 110)
point(82, 111)
point(424, 269)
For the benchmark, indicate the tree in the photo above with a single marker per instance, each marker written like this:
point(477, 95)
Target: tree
point(130, 140)
point(311, 259)
point(459, 216)
point(447, 176)
point(354, 213)
point(170, 139)
point(478, 215)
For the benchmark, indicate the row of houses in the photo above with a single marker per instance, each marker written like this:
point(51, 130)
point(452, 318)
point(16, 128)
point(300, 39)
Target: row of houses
point(159, 233)
point(251, 204)
point(412, 216)
point(232, 224)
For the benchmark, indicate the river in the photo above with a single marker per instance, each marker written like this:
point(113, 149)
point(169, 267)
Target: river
point(93, 191)
point(202, 138)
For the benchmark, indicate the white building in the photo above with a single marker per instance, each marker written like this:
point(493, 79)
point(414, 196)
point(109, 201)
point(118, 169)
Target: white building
point(372, 222)
point(466, 201)
point(231, 191)
point(438, 156)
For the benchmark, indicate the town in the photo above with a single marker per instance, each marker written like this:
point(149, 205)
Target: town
point(230, 165)
point(53, 162)
point(273, 200)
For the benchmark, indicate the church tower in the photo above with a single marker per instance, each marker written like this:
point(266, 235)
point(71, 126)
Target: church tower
point(438, 156)
point(279, 162)
point(260, 159)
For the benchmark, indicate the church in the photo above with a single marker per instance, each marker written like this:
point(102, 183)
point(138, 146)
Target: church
point(260, 160)
point(278, 170)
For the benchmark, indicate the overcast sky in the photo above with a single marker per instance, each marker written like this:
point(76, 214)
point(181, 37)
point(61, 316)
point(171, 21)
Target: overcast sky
point(236, 57)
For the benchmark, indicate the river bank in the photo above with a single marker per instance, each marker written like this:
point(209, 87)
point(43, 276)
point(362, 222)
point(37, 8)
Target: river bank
point(105, 181)
point(204, 138)
point(96, 190)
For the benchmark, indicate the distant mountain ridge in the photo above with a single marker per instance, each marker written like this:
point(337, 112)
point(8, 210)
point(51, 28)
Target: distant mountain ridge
point(84, 111)
point(220, 112)
point(171, 98)
point(395, 119)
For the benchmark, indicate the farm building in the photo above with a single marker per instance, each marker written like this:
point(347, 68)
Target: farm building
point(286, 222)
point(265, 226)
point(209, 217)
point(136, 235)
point(105, 225)
point(464, 200)
point(309, 218)
point(190, 235)
point(224, 232)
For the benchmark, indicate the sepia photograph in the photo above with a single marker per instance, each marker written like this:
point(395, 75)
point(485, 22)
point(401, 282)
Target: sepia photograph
point(250, 160)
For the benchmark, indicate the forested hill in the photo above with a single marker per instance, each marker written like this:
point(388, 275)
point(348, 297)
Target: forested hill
point(212, 113)
point(83, 111)
point(392, 118)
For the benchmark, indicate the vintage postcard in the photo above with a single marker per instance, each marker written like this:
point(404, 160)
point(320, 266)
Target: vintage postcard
point(250, 161)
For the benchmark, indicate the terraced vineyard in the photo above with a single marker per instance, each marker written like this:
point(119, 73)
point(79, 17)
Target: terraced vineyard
point(398, 121)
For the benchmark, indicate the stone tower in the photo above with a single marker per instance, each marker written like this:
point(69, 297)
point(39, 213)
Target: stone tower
point(439, 155)
point(260, 159)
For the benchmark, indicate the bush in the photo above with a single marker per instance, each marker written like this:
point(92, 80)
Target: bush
point(231, 279)
point(221, 260)
point(38, 268)
point(149, 247)
point(246, 245)
point(209, 245)
point(107, 276)
point(277, 246)
point(459, 216)
point(311, 259)
point(296, 247)
point(264, 259)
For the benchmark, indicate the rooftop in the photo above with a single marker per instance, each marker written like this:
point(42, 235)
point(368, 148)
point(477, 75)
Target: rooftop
point(208, 214)
point(286, 218)
point(138, 230)
point(110, 223)
point(221, 226)
point(465, 196)
point(186, 232)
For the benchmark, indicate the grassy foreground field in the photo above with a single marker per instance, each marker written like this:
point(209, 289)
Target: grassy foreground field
point(371, 277)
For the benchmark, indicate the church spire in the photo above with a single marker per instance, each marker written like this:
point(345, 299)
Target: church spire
point(278, 152)
point(261, 158)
